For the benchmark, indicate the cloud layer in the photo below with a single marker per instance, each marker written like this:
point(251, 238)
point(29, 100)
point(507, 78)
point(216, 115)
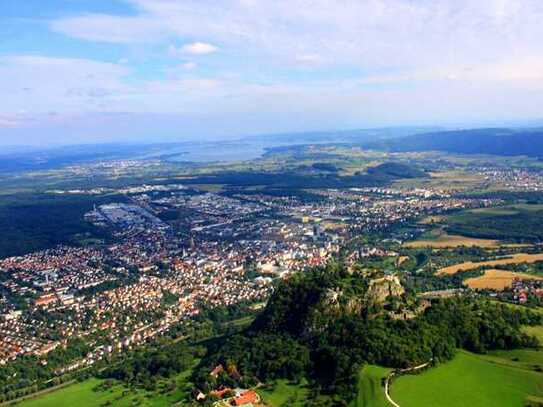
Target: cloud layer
point(360, 63)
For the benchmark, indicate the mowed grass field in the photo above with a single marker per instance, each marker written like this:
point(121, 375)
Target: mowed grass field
point(370, 391)
point(513, 259)
point(497, 279)
point(469, 380)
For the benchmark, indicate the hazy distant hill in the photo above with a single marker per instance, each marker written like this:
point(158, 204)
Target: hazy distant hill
point(494, 141)
point(342, 136)
point(23, 158)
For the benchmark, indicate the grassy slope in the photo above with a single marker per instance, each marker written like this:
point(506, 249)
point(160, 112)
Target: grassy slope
point(468, 380)
point(79, 394)
point(83, 395)
point(536, 331)
point(370, 391)
point(285, 394)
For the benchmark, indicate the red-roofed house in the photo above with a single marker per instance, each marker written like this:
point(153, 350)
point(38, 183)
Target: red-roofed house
point(249, 397)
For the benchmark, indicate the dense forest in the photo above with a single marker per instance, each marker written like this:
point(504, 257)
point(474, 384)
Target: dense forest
point(522, 226)
point(315, 327)
point(397, 170)
point(31, 222)
point(377, 176)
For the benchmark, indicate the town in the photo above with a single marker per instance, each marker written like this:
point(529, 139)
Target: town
point(177, 250)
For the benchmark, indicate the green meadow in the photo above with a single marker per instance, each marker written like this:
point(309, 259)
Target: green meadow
point(282, 393)
point(472, 380)
point(370, 391)
point(499, 378)
point(92, 393)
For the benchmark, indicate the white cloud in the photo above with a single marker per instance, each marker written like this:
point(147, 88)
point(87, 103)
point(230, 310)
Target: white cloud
point(114, 29)
point(37, 83)
point(199, 48)
point(195, 48)
point(524, 72)
point(309, 58)
point(376, 34)
point(372, 59)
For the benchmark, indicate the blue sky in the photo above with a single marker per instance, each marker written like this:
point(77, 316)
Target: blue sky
point(75, 71)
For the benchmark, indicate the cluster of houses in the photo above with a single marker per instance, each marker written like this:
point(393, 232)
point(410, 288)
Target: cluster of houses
point(223, 251)
point(523, 289)
point(513, 179)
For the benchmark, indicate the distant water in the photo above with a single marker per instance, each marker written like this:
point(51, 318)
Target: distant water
point(225, 151)
point(219, 151)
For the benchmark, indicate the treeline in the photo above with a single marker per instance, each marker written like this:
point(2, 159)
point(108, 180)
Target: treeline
point(307, 331)
point(146, 366)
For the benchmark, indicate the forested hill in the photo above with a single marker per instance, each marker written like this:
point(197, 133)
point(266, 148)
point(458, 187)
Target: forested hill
point(496, 141)
point(325, 324)
point(397, 170)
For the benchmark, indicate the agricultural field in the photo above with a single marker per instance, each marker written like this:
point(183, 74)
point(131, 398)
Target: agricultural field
point(450, 181)
point(439, 239)
point(497, 279)
point(470, 380)
point(430, 220)
point(513, 259)
point(370, 391)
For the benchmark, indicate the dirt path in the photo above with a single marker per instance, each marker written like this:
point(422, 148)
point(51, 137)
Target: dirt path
point(399, 373)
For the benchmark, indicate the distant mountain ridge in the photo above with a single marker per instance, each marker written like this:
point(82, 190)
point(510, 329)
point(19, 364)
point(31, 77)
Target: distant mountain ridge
point(494, 141)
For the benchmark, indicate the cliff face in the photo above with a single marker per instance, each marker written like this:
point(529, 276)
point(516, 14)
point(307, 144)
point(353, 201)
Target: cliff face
point(336, 302)
point(382, 288)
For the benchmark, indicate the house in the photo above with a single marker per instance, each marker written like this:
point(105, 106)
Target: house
point(247, 397)
point(216, 371)
point(198, 395)
point(46, 299)
point(220, 393)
